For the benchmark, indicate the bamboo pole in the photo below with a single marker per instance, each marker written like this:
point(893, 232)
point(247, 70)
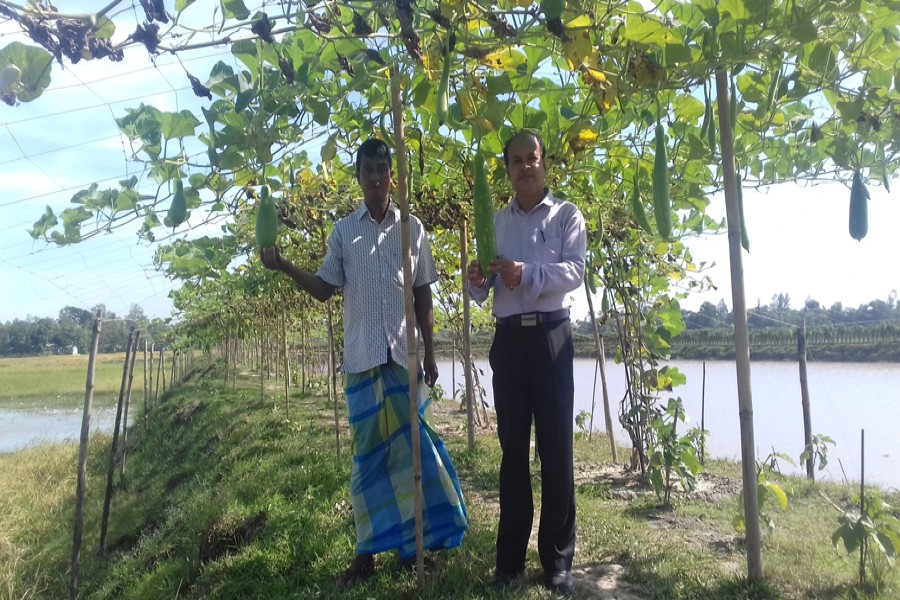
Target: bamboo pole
point(804, 401)
point(467, 335)
point(287, 366)
point(146, 389)
point(75, 563)
point(863, 545)
point(703, 417)
point(412, 350)
point(741, 333)
point(601, 363)
point(137, 335)
point(332, 379)
point(111, 466)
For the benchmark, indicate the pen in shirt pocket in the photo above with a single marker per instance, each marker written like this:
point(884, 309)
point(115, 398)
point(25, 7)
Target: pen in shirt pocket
point(543, 238)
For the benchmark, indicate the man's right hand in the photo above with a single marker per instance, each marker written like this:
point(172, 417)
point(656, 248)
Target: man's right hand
point(475, 275)
point(271, 258)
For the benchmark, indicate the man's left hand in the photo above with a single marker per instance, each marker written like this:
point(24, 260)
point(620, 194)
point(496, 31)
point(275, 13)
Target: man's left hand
point(431, 371)
point(509, 271)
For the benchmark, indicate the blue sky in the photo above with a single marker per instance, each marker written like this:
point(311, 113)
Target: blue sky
point(66, 139)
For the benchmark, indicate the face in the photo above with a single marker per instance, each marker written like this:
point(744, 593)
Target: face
point(526, 170)
point(374, 178)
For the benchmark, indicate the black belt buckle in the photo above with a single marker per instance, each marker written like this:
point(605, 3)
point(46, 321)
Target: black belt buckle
point(529, 319)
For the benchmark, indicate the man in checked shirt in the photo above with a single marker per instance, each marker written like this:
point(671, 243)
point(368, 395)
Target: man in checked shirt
point(364, 258)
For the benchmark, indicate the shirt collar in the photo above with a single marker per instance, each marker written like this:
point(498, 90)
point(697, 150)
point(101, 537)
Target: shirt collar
point(548, 200)
point(363, 211)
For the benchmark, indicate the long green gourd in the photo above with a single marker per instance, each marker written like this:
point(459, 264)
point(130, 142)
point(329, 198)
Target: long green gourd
point(662, 205)
point(485, 238)
point(178, 208)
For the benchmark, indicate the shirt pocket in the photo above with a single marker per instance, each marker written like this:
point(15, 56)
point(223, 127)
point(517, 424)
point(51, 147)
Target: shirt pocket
point(549, 249)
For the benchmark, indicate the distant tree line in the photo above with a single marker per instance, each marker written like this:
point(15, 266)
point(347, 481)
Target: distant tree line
point(865, 333)
point(72, 329)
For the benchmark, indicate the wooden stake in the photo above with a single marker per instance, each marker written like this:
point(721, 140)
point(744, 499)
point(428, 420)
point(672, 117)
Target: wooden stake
point(467, 335)
point(134, 347)
point(75, 567)
point(804, 400)
point(402, 199)
point(111, 467)
point(741, 334)
point(601, 363)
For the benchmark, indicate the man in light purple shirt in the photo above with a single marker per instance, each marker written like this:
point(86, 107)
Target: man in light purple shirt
point(542, 242)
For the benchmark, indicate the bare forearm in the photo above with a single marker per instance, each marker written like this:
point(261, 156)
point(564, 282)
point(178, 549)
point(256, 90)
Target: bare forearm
point(424, 309)
point(316, 287)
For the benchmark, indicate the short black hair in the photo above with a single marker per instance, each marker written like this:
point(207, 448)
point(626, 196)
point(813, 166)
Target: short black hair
point(521, 134)
point(373, 148)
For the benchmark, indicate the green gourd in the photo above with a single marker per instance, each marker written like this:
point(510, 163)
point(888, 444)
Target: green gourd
point(442, 107)
point(745, 239)
point(178, 208)
point(637, 206)
point(485, 238)
point(266, 220)
point(662, 205)
point(859, 210)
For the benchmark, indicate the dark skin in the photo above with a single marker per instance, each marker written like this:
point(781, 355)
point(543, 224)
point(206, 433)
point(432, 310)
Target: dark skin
point(527, 172)
point(376, 180)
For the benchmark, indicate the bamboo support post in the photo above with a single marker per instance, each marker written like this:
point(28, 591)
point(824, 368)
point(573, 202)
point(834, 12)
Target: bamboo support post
point(75, 563)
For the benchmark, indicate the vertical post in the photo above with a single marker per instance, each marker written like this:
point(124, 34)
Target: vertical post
point(287, 365)
point(601, 363)
point(111, 467)
point(146, 389)
point(804, 400)
point(134, 347)
point(467, 335)
point(703, 417)
point(863, 546)
point(75, 565)
point(741, 333)
point(412, 350)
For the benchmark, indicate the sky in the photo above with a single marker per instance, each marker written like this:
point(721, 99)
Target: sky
point(67, 138)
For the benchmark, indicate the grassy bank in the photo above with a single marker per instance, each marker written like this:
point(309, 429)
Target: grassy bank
point(231, 496)
point(59, 381)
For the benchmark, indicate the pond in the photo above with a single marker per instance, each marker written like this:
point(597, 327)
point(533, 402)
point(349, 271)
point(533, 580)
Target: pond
point(21, 429)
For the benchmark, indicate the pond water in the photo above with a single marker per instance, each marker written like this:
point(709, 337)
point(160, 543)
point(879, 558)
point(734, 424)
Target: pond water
point(845, 398)
point(21, 429)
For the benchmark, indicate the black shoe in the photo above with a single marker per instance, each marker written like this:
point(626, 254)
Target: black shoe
point(560, 582)
point(504, 579)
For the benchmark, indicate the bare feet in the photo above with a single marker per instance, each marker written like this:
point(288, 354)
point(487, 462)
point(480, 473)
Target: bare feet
point(362, 567)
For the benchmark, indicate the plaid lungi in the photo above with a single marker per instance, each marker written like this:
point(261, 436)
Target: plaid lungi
point(381, 478)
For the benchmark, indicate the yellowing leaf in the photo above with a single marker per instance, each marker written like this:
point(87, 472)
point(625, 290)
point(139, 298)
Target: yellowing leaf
point(593, 77)
point(507, 59)
point(578, 47)
point(523, 3)
point(580, 137)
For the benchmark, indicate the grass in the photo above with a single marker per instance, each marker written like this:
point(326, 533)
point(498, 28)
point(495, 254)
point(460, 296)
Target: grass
point(59, 381)
point(230, 496)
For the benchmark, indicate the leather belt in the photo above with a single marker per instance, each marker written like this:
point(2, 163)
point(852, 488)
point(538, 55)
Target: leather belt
point(533, 319)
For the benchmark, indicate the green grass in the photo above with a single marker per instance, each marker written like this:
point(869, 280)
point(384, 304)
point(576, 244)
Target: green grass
point(229, 496)
point(59, 381)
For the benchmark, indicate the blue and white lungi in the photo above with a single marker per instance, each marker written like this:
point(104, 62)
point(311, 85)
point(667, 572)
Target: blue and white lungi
point(381, 478)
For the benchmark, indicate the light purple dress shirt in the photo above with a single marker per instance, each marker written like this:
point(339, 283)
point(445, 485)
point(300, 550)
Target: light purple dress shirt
point(551, 241)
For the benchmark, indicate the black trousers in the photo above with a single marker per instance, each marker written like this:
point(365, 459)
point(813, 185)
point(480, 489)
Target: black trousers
point(533, 381)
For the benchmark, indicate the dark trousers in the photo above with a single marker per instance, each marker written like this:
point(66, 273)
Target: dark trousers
point(533, 380)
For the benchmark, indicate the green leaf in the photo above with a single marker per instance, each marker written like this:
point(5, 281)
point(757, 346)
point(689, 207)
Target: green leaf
point(235, 9)
point(647, 31)
point(34, 63)
point(733, 8)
